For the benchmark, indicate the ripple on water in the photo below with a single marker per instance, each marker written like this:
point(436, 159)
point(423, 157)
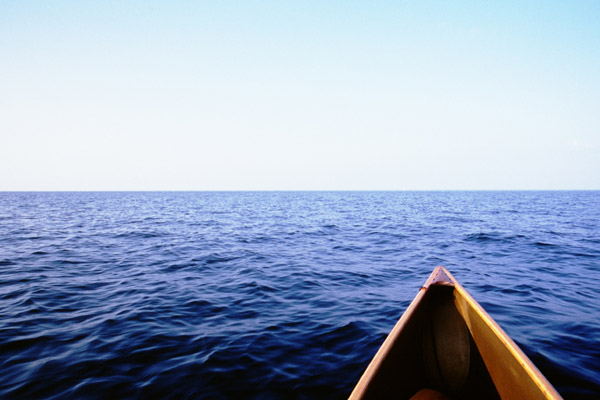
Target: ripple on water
point(278, 295)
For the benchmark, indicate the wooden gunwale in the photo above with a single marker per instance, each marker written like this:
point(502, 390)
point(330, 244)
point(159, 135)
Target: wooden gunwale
point(508, 388)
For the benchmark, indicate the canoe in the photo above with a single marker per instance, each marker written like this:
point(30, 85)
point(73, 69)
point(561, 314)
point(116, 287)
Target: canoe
point(445, 346)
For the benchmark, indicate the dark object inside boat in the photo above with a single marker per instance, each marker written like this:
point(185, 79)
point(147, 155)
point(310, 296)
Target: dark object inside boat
point(436, 351)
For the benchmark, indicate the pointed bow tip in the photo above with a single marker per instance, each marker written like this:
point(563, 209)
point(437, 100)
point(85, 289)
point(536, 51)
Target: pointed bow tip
point(440, 276)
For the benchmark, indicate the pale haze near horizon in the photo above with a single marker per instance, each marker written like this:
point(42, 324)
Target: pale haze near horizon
point(310, 96)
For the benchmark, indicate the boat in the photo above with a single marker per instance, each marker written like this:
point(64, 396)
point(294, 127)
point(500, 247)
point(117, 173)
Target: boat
point(445, 346)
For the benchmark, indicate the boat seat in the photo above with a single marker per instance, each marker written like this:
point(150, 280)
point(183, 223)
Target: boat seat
point(429, 394)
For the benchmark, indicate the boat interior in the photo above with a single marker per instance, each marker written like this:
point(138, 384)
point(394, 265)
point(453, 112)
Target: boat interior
point(434, 356)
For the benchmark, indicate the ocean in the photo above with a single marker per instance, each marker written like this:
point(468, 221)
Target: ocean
point(272, 295)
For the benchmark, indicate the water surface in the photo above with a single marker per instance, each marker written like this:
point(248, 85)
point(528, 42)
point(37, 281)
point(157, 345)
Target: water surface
point(278, 294)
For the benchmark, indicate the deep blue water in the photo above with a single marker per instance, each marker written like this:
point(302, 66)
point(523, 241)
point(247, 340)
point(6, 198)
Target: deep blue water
point(278, 294)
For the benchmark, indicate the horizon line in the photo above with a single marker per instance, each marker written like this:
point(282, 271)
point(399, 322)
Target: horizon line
point(284, 190)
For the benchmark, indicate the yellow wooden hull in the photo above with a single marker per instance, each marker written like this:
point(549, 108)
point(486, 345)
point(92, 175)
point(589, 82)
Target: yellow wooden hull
point(446, 342)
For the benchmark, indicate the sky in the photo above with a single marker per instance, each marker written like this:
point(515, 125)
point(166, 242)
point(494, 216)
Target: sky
point(304, 95)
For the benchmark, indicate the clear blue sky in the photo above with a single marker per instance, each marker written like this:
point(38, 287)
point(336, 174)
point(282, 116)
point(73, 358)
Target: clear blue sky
point(186, 95)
